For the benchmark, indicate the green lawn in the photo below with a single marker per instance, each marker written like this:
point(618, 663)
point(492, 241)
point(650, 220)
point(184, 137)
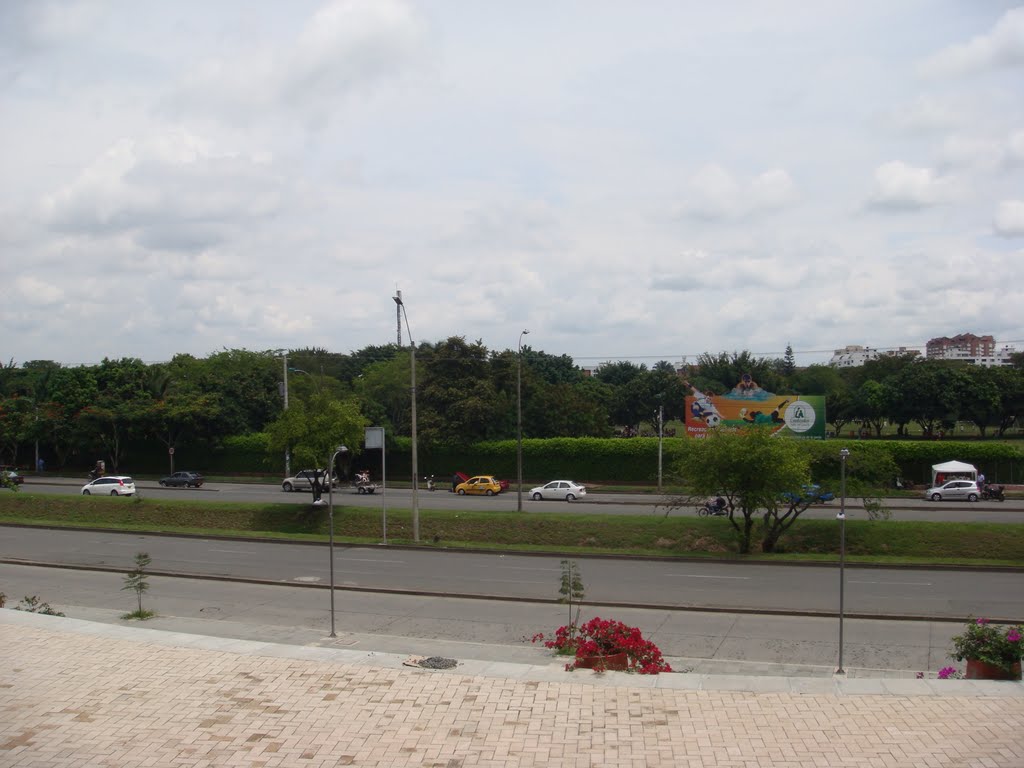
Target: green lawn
point(889, 542)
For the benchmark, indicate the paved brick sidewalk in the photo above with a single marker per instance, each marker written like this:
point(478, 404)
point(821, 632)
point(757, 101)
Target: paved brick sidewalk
point(75, 694)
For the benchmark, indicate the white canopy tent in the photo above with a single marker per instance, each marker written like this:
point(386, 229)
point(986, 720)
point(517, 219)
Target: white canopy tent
point(958, 468)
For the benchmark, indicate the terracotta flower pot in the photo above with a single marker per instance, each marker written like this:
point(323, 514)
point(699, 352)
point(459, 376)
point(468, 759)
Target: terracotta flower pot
point(982, 670)
point(618, 662)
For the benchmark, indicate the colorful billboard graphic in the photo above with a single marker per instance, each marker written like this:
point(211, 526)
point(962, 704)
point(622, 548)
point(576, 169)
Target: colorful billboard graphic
point(748, 405)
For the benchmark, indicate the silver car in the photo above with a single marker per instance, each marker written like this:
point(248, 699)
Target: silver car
point(110, 485)
point(558, 489)
point(954, 489)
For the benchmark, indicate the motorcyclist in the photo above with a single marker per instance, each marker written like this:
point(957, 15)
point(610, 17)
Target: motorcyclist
point(719, 505)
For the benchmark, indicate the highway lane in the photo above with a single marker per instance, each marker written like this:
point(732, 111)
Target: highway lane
point(595, 503)
point(738, 587)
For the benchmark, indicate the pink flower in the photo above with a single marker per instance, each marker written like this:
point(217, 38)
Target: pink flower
point(1013, 635)
point(982, 622)
point(947, 672)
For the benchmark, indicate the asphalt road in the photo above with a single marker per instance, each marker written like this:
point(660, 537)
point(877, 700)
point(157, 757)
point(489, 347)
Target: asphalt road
point(747, 644)
point(594, 503)
point(734, 587)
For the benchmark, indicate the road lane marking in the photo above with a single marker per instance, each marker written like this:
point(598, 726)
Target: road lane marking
point(695, 576)
point(898, 583)
point(525, 568)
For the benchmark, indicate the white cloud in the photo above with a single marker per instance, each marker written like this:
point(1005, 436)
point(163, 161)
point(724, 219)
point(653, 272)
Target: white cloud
point(345, 46)
point(961, 151)
point(37, 292)
point(1009, 218)
point(899, 186)
point(1002, 47)
point(714, 193)
point(1015, 148)
point(170, 192)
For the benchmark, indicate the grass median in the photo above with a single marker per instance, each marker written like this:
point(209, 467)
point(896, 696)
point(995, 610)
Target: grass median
point(883, 541)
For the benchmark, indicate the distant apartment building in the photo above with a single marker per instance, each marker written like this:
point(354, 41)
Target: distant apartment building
point(968, 348)
point(852, 355)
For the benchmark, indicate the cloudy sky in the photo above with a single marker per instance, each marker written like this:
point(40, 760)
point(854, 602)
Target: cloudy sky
point(626, 180)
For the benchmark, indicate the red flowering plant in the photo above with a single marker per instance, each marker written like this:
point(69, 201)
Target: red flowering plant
point(983, 641)
point(606, 637)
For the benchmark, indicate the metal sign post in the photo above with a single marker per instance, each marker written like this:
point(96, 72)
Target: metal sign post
point(375, 439)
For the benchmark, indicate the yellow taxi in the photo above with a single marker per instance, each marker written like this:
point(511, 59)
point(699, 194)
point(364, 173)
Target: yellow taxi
point(481, 485)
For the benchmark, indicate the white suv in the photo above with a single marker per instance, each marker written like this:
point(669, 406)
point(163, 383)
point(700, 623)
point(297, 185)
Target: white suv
point(303, 481)
point(111, 485)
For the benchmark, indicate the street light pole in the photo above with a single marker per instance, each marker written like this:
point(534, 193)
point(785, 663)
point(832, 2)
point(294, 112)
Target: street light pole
point(415, 465)
point(330, 514)
point(843, 454)
point(287, 450)
point(661, 434)
point(519, 424)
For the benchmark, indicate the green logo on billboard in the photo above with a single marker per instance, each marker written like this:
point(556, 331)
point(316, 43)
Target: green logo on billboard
point(800, 416)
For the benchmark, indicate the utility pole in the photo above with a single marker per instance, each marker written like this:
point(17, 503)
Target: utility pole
point(398, 313)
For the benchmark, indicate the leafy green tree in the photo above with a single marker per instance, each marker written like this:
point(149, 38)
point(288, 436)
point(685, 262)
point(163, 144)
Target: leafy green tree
point(1011, 397)
point(751, 470)
point(619, 373)
point(383, 390)
point(871, 405)
point(931, 393)
point(68, 392)
point(249, 385)
point(456, 400)
point(982, 399)
point(121, 404)
point(313, 429)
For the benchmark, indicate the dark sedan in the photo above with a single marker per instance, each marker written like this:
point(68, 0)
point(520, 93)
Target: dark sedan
point(183, 480)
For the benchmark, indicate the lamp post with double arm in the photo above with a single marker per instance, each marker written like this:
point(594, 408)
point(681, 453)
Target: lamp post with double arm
point(415, 466)
point(330, 514)
point(519, 424)
point(843, 455)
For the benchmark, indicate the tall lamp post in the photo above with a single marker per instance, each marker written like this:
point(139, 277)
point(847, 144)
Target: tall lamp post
point(843, 454)
point(284, 391)
point(519, 424)
point(330, 514)
point(415, 466)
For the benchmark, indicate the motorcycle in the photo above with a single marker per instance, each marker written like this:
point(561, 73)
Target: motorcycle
point(431, 486)
point(992, 493)
point(710, 509)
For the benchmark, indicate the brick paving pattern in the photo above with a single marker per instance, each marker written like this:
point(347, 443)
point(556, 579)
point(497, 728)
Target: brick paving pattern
point(79, 700)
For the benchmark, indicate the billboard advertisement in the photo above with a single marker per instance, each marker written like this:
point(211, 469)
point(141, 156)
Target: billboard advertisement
point(747, 405)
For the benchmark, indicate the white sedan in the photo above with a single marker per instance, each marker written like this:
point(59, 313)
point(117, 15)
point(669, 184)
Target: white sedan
point(558, 489)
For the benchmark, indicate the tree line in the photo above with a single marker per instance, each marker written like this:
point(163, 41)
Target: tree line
point(465, 393)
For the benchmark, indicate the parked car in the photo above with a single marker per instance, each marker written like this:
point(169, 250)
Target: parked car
point(480, 485)
point(110, 485)
point(303, 481)
point(183, 480)
point(558, 489)
point(954, 489)
point(13, 475)
point(809, 494)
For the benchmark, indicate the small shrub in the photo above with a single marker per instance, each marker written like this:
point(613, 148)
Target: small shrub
point(136, 581)
point(32, 605)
